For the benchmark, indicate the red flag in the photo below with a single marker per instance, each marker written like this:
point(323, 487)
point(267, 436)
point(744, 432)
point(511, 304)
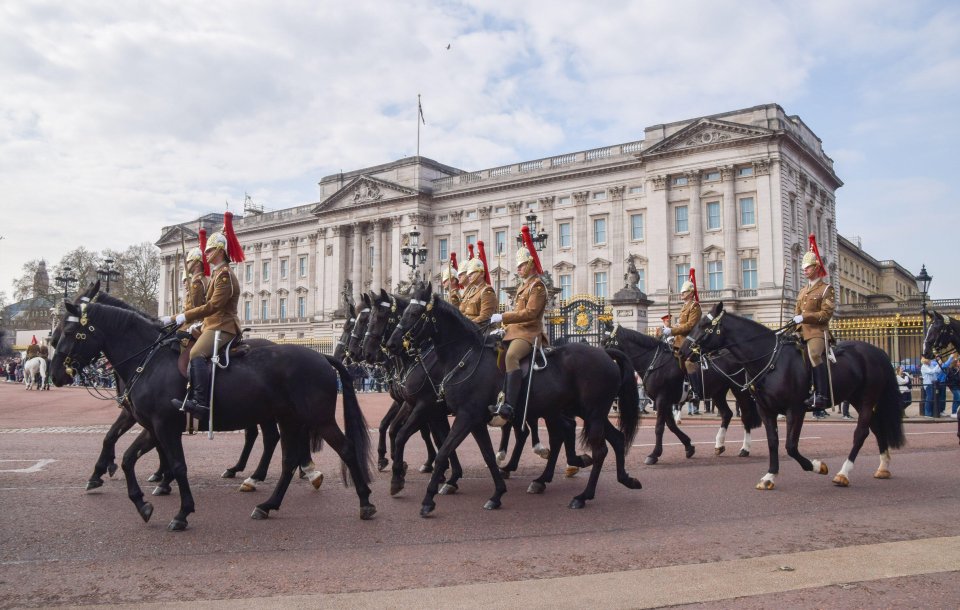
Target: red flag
point(483, 259)
point(816, 251)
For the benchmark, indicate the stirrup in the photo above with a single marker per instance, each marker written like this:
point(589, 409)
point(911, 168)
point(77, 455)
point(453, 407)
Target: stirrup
point(196, 409)
point(502, 414)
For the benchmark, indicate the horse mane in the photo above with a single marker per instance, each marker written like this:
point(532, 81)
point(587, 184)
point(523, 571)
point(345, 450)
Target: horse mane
point(105, 298)
point(635, 336)
point(123, 317)
point(457, 318)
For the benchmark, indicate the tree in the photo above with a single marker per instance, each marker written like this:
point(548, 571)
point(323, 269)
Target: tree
point(83, 265)
point(140, 276)
point(23, 286)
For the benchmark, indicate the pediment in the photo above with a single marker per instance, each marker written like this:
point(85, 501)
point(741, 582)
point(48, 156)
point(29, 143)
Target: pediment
point(707, 133)
point(564, 266)
point(172, 235)
point(599, 263)
point(363, 191)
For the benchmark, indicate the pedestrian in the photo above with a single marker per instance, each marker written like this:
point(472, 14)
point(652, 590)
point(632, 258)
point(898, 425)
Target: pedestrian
point(929, 370)
point(904, 385)
point(845, 409)
point(941, 387)
point(953, 383)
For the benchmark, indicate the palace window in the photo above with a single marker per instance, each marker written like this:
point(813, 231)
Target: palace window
point(246, 310)
point(566, 286)
point(642, 281)
point(680, 181)
point(636, 190)
point(680, 219)
point(283, 308)
point(248, 272)
point(636, 227)
point(283, 268)
point(744, 172)
point(748, 268)
point(565, 200)
point(711, 176)
point(443, 249)
point(565, 235)
point(683, 272)
point(600, 284)
point(471, 215)
point(748, 217)
point(470, 240)
point(302, 266)
point(713, 215)
point(265, 275)
point(599, 195)
point(500, 242)
point(715, 275)
point(264, 309)
point(301, 307)
point(599, 231)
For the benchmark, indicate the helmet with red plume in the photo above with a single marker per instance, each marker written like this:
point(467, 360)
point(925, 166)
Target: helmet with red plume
point(483, 259)
point(528, 252)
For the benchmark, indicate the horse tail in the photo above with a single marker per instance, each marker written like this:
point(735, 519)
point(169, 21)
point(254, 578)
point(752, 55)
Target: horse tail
point(628, 397)
point(890, 412)
point(355, 424)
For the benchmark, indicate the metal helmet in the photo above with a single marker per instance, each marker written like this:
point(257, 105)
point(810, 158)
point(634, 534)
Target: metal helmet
point(473, 265)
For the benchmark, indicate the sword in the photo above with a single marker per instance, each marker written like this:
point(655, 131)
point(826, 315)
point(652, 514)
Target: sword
point(533, 367)
point(215, 361)
point(826, 358)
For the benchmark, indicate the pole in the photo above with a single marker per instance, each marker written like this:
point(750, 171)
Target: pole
point(419, 115)
point(215, 362)
point(783, 292)
point(826, 359)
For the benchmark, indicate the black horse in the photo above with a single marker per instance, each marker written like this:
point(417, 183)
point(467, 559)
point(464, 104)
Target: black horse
point(662, 377)
point(779, 380)
point(289, 384)
point(942, 333)
point(578, 380)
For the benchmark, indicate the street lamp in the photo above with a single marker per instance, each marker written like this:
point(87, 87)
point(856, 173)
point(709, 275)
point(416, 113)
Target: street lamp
point(107, 272)
point(923, 284)
point(65, 279)
point(413, 253)
point(539, 238)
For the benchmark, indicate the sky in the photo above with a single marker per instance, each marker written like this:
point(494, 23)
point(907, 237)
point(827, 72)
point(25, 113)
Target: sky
point(117, 119)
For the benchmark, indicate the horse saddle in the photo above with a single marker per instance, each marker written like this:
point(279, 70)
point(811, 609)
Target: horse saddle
point(235, 348)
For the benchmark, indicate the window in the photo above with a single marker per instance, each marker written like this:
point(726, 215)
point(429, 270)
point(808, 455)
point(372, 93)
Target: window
point(715, 275)
point(443, 249)
point(747, 216)
point(599, 195)
point(471, 215)
point(566, 237)
point(471, 240)
point(711, 176)
point(749, 270)
point(246, 310)
point(264, 310)
point(301, 307)
point(566, 286)
point(500, 242)
point(713, 215)
point(636, 226)
point(302, 266)
point(642, 281)
point(500, 209)
point(636, 190)
point(599, 230)
point(680, 181)
point(564, 200)
point(248, 272)
point(683, 272)
point(600, 284)
point(743, 172)
point(265, 275)
point(283, 268)
point(680, 224)
point(442, 218)
point(283, 308)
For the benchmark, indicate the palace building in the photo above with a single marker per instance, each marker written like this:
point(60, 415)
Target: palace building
point(733, 195)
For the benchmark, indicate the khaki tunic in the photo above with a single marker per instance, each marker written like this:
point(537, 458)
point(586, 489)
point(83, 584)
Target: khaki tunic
point(479, 303)
point(196, 294)
point(454, 298)
point(688, 318)
point(815, 303)
point(219, 312)
point(526, 320)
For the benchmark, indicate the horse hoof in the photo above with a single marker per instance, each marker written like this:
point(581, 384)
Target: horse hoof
point(690, 451)
point(426, 468)
point(743, 453)
point(571, 471)
point(765, 485)
point(161, 490)
point(112, 469)
point(542, 451)
point(631, 483)
point(154, 478)
point(448, 489)
point(259, 514)
point(367, 512)
point(426, 509)
point(177, 525)
point(718, 450)
point(586, 461)
point(382, 464)
point(823, 469)
point(146, 511)
point(316, 479)
point(229, 473)
point(247, 487)
point(577, 503)
point(882, 474)
point(93, 484)
point(501, 457)
point(395, 487)
point(491, 505)
point(536, 487)
point(841, 480)
point(650, 461)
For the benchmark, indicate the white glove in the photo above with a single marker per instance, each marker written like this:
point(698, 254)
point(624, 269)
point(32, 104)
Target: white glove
point(166, 320)
point(798, 319)
point(496, 318)
point(666, 331)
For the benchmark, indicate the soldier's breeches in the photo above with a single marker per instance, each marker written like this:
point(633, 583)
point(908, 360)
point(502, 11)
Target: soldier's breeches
point(815, 349)
point(203, 348)
point(517, 351)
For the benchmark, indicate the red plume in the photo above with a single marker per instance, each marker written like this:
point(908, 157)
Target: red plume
point(483, 259)
point(203, 251)
point(693, 280)
point(816, 251)
point(470, 248)
point(34, 341)
point(234, 251)
point(453, 260)
point(528, 242)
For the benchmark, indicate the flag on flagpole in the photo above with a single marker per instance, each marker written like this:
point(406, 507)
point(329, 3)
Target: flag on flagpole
point(420, 109)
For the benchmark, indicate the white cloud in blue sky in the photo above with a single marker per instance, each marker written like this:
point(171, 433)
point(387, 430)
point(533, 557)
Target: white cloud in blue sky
point(119, 118)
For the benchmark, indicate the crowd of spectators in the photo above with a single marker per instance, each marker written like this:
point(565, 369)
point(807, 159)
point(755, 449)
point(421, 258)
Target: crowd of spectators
point(12, 369)
point(939, 375)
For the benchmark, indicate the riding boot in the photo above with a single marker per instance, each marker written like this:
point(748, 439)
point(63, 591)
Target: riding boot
point(503, 411)
point(198, 403)
point(820, 398)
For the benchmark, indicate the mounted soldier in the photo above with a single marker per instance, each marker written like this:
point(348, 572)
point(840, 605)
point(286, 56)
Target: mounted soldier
point(815, 305)
point(33, 350)
point(479, 299)
point(689, 316)
point(218, 313)
point(524, 327)
point(448, 278)
point(197, 283)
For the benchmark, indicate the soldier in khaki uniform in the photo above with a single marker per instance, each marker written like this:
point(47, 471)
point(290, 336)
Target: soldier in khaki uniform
point(479, 301)
point(815, 305)
point(196, 287)
point(219, 312)
point(524, 327)
point(450, 289)
point(689, 316)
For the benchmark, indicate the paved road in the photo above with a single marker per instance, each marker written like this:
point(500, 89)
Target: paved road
point(696, 534)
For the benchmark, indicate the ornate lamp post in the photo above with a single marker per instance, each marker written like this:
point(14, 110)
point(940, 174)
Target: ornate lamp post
point(107, 272)
point(413, 253)
point(539, 238)
point(923, 285)
point(65, 279)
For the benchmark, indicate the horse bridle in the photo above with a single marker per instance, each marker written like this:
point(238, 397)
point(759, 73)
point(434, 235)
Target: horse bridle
point(936, 344)
point(412, 336)
point(392, 319)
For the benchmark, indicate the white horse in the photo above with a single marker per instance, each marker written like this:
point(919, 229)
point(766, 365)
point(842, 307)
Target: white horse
point(32, 367)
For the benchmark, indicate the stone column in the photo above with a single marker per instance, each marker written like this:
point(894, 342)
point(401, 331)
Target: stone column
point(396, 273)
point(456, 234)
point(376, 280)
point(659, 237)
point(695, 225)
point(769, 260)
point(314, 262)
point(617, 234)
point(546, 221)
point(333, 281)
point(582, 243)
point(357, 269)
point(164, 288)
point(731, 258)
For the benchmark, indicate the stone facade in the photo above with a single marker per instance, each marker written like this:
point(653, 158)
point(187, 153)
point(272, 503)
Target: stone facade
point(867, 285)
point(733, 195)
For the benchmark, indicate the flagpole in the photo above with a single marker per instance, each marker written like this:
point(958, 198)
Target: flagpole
point(419, 114)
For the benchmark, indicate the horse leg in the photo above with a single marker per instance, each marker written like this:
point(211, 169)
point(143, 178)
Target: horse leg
point(391, 414)
point(344, 448)
point(769, 480)
point(140, 445)
point(745, 448)
point(170, 442)
point(555, 434)
point(427, 466)
point(249, 438)
point(441, 428)
point(504, 443)
point(599, 454)
point(292, 439)
point(106, 461)
point(271, 436)
point(522, 433)
point(396, 425)
point(410, 424)
point(663, 412)
point(163, 476)
point(462, 426)
point(617, 441)
point(575, 462)
point(539, 449)
point(725, 416)
point(794, 426)
point(482, 436)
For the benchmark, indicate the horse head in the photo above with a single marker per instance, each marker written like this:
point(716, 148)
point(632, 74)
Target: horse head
point(340, 351)
point(384, 315)
point(707, 335)
point(608, 334)
point(360, 327)
point(412, 326)
point(939, 335)
point(77, 346)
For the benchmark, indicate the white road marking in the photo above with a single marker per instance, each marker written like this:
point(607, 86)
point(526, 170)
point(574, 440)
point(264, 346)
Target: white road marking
point(36, 465)
point(803, 438)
